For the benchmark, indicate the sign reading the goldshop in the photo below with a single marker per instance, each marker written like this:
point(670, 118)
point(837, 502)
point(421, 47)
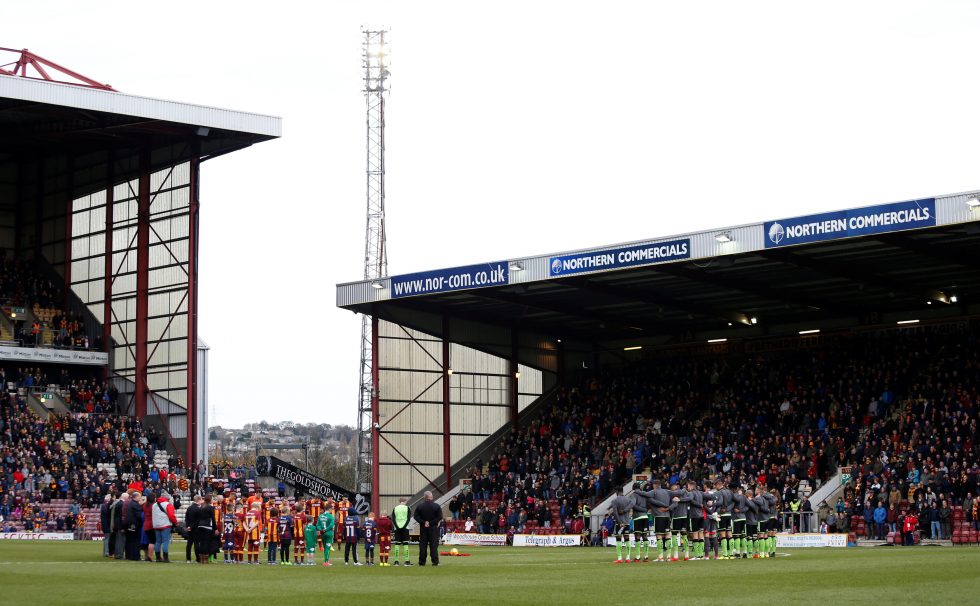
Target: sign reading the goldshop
point(848, 223)
point(453, 278)
point(613, 258)
point(309, 483)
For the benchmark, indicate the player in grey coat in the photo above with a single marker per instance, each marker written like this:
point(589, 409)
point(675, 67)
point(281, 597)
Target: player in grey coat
point(711, 519)
point(740, 510)
point(724, 504)
point(773, 522)
point(759, 548)
point(658, 501)
point(641, 523)
point(679, 520)
point(621, 508)
point(696, 513)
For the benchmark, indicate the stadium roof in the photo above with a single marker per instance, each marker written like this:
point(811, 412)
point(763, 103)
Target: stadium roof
point(877, 265)
point(41, 119)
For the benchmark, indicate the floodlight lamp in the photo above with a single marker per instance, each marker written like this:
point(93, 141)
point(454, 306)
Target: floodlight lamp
point(953, 298)
point(724, 237)
point(754, 320)
point(973, 203)
point(377, 49)
point(377, 284)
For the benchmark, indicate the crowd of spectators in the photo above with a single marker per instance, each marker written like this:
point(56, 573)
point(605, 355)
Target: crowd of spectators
point(898, 406)
point(21, 286)
point(82, 393)
point(78, 457)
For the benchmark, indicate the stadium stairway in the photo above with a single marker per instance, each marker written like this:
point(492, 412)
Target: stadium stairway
point(485, 449)
point(55, 404)
point(6, 330)
point(828, 491)
point(33, 403)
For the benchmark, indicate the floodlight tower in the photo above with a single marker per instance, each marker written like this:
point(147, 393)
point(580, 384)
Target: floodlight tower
point(375, 62)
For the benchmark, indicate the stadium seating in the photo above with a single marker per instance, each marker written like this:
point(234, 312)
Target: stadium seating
point(51, 463)
point(898, 406)
point(21, 285)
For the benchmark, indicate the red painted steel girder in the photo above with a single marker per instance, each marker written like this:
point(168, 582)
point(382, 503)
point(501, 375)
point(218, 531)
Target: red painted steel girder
point(41, 66)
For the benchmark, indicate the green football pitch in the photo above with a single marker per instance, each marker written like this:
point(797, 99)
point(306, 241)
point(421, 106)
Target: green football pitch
point(76, 573)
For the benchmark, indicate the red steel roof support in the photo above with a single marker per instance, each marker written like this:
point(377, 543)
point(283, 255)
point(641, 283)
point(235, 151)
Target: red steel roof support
point(38, 63)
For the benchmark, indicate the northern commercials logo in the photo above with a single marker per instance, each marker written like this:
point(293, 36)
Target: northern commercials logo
point(555, 266)
point(776, 233)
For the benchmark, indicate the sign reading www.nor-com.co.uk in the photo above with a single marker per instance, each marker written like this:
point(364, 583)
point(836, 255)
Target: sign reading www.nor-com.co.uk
point(453, 278)
point(848, 223)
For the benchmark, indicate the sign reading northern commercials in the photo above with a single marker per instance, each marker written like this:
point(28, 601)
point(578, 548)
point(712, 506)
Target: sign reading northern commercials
point(880, 219)
point(453, 278)
point(615, 258)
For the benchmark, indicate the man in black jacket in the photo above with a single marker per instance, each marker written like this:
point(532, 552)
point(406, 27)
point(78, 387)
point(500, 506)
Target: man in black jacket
point(133, 526)
point(428, 515)
point(118, 526)
point(105, 520)
point(190, 521)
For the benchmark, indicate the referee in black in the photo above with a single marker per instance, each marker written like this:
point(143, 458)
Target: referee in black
point(428, 515)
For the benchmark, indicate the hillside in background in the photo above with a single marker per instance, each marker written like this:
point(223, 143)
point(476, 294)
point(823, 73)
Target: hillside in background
point(332, 448)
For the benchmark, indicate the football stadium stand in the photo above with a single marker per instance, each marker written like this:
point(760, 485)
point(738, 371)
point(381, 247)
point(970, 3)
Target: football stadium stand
point(898, 407)
point(830, 357)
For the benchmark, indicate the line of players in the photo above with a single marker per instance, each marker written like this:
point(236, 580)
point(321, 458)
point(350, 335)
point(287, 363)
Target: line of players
point(301, 529)
point(713, 521)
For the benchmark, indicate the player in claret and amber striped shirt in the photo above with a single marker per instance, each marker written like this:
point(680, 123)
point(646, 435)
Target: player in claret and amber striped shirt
point(384, 539)
point(272, 533)
point(299, 535)
point(239, 534)
point(253, 532)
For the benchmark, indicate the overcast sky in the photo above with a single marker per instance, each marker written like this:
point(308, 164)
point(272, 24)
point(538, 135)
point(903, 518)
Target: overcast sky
point(514, 128)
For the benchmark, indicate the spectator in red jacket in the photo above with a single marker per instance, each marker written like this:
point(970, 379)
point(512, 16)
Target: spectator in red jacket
point(909, 524)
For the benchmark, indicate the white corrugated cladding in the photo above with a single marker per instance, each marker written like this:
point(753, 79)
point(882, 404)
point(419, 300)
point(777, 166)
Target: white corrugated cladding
point(950, 209)
point(954, 209)
point(41, 91)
